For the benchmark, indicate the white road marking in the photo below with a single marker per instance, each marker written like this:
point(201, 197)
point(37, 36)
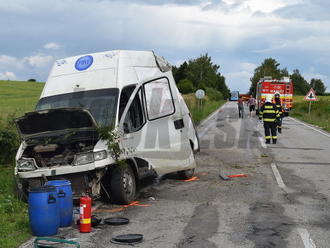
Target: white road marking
point(237, 131)
point(315, 129)
point(304, 234)
point(278, 176)
point(262, 142)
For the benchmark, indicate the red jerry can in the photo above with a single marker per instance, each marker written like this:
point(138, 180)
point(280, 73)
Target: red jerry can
point(85, 214)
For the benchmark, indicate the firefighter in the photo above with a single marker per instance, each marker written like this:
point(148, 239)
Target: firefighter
point(269, 114)
point(278, 104)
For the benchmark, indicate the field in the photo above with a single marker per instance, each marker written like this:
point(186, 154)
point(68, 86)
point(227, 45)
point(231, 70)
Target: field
point(17, 98)
point(320, 111)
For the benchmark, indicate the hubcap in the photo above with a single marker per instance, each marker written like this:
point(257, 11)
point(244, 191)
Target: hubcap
point(128, 183)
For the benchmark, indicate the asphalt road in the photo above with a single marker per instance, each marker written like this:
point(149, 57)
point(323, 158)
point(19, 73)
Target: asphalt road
point(283, 201)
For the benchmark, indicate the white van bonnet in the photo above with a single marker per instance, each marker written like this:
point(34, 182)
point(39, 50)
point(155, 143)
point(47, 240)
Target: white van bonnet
point(268, 99)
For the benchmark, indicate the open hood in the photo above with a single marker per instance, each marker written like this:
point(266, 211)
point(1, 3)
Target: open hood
point(34, 123)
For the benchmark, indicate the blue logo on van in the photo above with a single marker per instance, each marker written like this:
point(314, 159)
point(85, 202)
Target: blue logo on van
point(84, 63)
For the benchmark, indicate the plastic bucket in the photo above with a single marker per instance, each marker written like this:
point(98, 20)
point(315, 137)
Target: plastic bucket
point(43, 211)
point(65, 203)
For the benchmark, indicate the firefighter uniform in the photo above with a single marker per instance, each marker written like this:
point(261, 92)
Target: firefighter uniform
point(269, 114)
point(280, 109)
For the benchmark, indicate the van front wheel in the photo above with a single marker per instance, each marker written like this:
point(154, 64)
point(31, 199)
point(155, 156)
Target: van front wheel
point(186, 174)
point(122, 185)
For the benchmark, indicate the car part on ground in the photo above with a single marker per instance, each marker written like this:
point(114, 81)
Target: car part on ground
point(127, 239)
point(116, 221)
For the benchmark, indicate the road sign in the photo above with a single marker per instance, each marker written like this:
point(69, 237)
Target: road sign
point(200, 94)
point(311, 96)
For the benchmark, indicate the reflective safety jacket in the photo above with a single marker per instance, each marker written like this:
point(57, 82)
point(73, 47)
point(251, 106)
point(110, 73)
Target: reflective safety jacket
point(279, 107)
point(269, 112)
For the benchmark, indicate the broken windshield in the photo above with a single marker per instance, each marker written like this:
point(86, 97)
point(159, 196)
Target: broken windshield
point(102, 104)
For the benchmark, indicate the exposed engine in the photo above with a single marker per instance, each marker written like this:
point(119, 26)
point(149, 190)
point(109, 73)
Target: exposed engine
point(54, 151)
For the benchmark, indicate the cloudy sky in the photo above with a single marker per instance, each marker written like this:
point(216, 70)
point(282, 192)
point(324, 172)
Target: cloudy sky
point(237, 34)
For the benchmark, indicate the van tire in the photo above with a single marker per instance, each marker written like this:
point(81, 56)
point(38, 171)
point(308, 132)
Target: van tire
point(186, 174)
point(122, 184)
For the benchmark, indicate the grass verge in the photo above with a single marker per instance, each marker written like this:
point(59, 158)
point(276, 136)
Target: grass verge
point(14, 214)
point(320, 111)
point(201, 112)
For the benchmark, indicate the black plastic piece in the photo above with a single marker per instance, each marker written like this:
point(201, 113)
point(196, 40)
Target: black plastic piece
point(127, 239)
point(116, 221)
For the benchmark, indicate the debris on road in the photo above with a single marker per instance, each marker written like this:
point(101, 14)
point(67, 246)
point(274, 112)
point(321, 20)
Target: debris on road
point(223, 177)
point(116, 221)
point(134, 203)
point(237, 175)
point(127, 239)
point(191, 179)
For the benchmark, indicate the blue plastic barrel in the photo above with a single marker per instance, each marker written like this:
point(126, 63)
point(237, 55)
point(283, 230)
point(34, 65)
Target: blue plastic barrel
point(65, 202)
point(43, 211)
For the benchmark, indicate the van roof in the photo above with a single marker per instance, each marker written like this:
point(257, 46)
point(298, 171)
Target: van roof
point(109, 69)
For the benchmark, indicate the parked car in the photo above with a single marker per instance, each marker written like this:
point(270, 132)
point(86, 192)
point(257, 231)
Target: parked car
point(131, 91)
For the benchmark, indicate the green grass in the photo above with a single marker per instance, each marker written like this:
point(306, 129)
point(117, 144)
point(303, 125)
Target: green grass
point(16, 98)
point(14, 215)
point(201, 112)
point(320, 111)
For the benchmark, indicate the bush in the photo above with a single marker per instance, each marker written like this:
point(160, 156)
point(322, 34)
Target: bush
point(9, 142)
point(9, 139)
point(185, 86)
point(213, 94)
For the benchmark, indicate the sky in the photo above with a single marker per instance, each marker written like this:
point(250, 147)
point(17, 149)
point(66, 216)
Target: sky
point(237, 34)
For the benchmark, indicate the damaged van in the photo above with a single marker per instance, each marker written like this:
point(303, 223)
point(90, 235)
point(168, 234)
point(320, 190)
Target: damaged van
point(132, 91)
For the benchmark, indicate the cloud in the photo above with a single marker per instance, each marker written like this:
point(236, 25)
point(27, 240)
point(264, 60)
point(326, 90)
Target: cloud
point(8, 75)
point(34, 66)
point(306, 10)
point(240, 75)
point(230, 31)
point(52, 45)
point(39, 60)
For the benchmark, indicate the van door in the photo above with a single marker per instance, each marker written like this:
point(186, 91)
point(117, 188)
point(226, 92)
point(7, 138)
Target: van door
point(155, 130)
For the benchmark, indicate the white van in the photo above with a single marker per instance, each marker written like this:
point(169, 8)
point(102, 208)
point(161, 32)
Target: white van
point(133, 91)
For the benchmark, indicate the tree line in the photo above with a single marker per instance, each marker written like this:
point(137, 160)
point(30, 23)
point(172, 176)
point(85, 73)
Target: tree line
point(270, 67)
point(201, 73)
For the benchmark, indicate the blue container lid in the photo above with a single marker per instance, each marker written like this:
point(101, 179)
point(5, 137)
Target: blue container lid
point(58, 183)
point(42, 189)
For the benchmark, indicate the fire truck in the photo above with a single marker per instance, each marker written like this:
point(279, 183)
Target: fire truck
point(268, 87)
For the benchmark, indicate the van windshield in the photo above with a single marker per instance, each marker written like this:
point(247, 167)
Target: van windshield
point(102, 104)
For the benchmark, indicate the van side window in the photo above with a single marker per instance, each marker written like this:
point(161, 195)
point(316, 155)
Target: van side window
point(158, 98)
point(135, 119)
point(124, 97)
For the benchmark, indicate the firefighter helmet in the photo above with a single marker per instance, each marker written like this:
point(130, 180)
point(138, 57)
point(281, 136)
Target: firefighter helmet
point(277, 95)
point(268, 99)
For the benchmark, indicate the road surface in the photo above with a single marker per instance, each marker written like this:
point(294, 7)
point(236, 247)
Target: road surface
point(283, 201)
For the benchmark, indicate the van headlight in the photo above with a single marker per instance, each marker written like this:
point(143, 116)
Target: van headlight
point(26, 164)
point(89, 157)
point(100, 155)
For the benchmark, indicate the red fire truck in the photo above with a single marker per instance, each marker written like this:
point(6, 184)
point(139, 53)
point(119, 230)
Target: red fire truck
point(268, 87)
